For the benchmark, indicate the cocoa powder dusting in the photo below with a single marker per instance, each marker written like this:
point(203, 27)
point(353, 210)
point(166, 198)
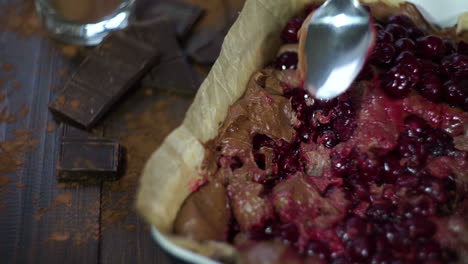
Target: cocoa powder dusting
point(130, 228)
point(16, 85)
point(51, 127)
point(7, 67)
point(65, 199)
point(70, 51)
point(4, 180)
point(146, 131)
point(21, 18)
point(12, 152)
point(24, 112)
point(59, 236)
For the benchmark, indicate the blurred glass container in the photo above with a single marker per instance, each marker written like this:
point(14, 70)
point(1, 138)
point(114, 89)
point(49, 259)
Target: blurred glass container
point(84, 22)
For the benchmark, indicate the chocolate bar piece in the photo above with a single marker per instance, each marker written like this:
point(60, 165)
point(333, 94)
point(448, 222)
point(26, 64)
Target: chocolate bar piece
point(183, 15)
point(174, 76)
point(103, 77)
point(84, 157)
point(204, 47)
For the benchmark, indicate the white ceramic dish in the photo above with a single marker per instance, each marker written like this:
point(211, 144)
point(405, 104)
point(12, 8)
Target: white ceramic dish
point(441, 12)
point(179, 252)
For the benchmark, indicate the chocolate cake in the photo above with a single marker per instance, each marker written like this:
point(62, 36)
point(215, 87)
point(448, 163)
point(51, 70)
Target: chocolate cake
point(377, 175)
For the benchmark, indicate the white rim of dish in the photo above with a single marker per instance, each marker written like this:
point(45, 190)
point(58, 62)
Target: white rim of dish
point(179, 252)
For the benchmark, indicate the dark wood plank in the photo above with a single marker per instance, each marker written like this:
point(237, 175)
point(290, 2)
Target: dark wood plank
point(40, 222)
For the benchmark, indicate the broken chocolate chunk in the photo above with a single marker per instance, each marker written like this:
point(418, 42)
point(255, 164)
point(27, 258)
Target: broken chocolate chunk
point(104, 76)
point(172, 74)
point(183, 15)
point(84, 157)
point(205, 46)
point(164, 77)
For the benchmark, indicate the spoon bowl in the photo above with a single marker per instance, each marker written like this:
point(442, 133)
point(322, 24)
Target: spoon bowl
point(339, 39)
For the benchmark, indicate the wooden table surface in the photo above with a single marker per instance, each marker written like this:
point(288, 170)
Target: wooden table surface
point(42, 221)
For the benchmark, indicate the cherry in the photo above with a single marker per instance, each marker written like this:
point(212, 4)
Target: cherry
point(423, 205)
point(383, 54)
point(456, 65)
point(287, 231)
point(428, 66)
point(439, 143)
point(420, 227)
point(259, 160)
point(405, 44)
point(360, 249)
point(344, 109)
point(416, 32)
point(360, 190)
point(429, 250)
point(344, 126)
point(341, 259)
point(366, 73)
point(370, 166)
point(397, 31)
point(353, 227)
point(449, 46)
point(408, 181)
point(289, 34)
point(261, 140)
point(288, 159)
point(236, 163)
point(405, 56)
point(326, 105)
point(298, 103)
point(287, 60)
point(453, 92)
point(463, 48)
point(392, 169)
point(409, 63)
point(413, 149)
point(338, 164)
point(384, 37)
point(381, 210)
point(449, 255)
point(328, 138)
point(435, 189)
point(383, 257)
point(431, 47)
point(319, 249)
point(415, 126)
point(401, 20)
point(304, 134)
point(398, 82)
point(378, 28)
point(430, 87)
point(396, 235)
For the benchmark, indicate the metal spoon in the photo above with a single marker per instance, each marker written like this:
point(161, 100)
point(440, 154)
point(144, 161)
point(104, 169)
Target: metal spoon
point(339, 38)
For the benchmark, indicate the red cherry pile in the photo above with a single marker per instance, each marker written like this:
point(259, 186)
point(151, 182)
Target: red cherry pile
point(392, 199)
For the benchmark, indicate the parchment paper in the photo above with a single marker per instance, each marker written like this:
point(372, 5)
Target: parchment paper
point(165, 184)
